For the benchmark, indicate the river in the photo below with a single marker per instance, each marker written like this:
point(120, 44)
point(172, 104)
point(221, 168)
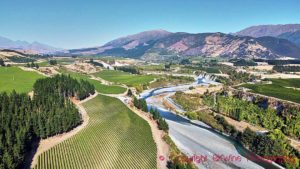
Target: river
point(194, 138)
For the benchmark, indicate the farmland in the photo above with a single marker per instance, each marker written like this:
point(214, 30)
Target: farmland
point(124, 78)
point(159, 67)
point(105, 89)
point(14, 78)
point(64, 61)
point(280, 88)
point(114, 138)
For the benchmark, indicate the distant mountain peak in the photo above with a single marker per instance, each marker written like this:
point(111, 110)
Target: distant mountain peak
point(141, 37)
point(24, 46)
point(268, 30)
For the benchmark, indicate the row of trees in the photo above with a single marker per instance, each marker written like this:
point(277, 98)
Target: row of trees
point(129, 69)
point(278, 62)
point(25, 120)
point(32, 65)
point(53, 62)
point(243, 62)
point(286, 68)
point(162, 124)
point(63, 85)
point(18, 59)
point(142, 104)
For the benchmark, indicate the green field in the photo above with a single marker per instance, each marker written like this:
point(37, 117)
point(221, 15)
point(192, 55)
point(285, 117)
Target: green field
point(152, 67)
point(63, 61)
point(125, 78)
point(279, 89)
point(101, 88)
point(287, 82)
point(14, 78)
point(114, 138)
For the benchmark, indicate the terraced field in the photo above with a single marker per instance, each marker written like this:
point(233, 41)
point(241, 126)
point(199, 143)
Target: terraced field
point(14, 78)
point(124, 78)
point(114, 138)
point(101, 88)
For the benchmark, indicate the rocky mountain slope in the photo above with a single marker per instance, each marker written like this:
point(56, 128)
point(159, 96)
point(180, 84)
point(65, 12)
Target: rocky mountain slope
point(26, 47)
point(157, 45)
point(133, 45)
point(279, 46)
point(268, 30)
point(290, 32)
point(291, 36)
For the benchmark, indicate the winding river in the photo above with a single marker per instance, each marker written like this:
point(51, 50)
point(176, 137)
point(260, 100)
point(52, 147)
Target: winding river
point(209, 148)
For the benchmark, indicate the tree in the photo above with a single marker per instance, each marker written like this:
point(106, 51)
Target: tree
point(163, 125)
point(248, 137)
point(32, 64)
point(135, 102)
point(144, 105)
point(53, 62)
point(168, 66)
point(156, 114)
point(129, 93)
point(130, 69)
point(48, 113)
point(2, 62)
point(185, 62)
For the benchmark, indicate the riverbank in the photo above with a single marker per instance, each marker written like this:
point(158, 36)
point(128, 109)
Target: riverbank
point(198, 139)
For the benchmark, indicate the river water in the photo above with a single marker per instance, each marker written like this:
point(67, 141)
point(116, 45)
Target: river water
point(209, 148)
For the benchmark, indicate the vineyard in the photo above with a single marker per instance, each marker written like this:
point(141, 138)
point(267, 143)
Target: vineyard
point(101, 88)
point(124, 77)
point(14, 78)
point(114, 138)
point(286, 89)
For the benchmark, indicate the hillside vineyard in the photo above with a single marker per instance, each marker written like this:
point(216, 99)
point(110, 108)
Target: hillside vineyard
point(25, 120)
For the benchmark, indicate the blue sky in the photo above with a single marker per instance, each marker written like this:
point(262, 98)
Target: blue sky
point(87, 23)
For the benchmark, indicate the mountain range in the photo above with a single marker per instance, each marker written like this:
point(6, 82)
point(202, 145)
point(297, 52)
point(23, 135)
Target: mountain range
point(290, 32)
point(26, 47)
point(271, 41)
point(264, 41)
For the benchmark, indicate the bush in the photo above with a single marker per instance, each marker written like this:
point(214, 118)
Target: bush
point(140, 104)
point(192, 115)
point(163, 125)
point(2, 62)
point(53, 62)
